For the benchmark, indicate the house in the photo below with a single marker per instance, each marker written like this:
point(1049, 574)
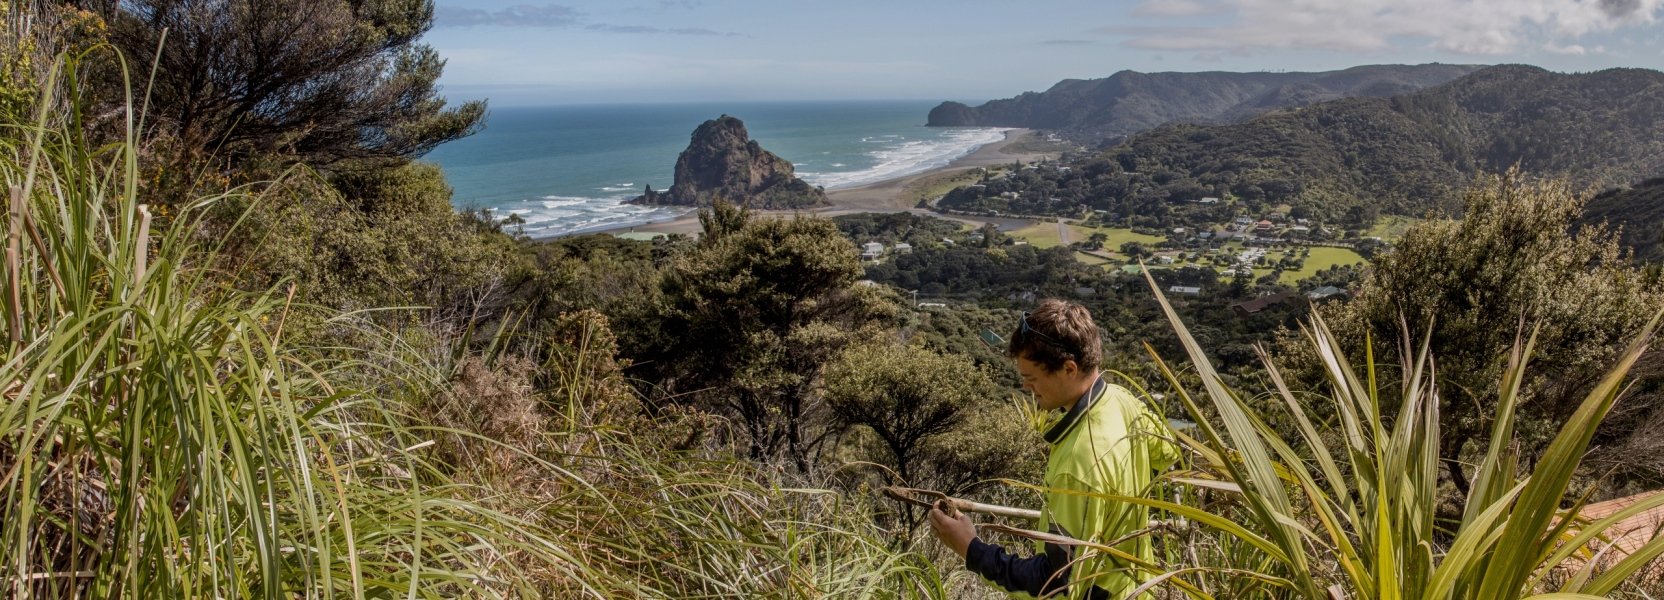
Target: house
point(1325, 292)
point(1205, 235)
point(1276, 216)
point(1178, 231)
point(1243, 221)
point(1184, 290)
point(1264, 226)
point(872, 250)
point(1261, 303)
point(929, 305)
point(903, 248)
point(1085, 291)
point(1301, 229)
point(641, 236)
point(1209, 200)
point(1164, 259)
point(947, 241)
point(1063, 169)
point(1009, 195)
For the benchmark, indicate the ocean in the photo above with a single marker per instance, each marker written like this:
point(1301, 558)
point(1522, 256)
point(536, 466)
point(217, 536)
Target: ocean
point(566, 169)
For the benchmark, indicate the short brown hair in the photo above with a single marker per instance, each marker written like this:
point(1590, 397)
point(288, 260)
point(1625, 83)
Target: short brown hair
point(1057, 331)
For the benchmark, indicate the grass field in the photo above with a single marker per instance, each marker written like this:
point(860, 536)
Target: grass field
point(1091, 260)
point(1391, 227)
point(930, 188)
point(1044, 235)
point(1040, 234)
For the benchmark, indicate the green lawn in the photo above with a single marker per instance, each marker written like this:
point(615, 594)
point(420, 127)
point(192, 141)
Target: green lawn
point(1322, 257)
point(1044, 235)
point(1039, 235)
point(1391, 227)
point(1090, 259)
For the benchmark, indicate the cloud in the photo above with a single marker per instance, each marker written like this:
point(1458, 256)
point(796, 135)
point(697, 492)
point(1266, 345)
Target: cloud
point(525, 15)
point(645, 29)
point(1479, 27)
point(556, 16)
point(1067, 42)
point(1175, 8)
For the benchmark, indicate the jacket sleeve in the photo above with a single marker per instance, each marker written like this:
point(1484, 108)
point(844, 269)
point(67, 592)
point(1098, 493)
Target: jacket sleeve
point(1035, 575)
point(1158, 438)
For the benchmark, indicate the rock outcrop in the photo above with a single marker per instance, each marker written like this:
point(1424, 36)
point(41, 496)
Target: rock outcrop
point(723, 162)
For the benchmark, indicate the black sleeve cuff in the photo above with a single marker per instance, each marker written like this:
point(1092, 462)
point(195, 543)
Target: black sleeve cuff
point(973, 554)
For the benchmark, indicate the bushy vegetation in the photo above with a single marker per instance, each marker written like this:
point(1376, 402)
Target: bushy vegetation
point(1473, 282)
point(320, 381)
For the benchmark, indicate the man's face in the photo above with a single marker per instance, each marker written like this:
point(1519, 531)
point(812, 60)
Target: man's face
point(1052, 390)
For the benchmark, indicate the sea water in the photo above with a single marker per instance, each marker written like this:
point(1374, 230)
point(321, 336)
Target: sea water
point(567, 169)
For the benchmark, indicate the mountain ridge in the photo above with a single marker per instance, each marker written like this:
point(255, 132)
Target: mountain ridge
point(1128, 102)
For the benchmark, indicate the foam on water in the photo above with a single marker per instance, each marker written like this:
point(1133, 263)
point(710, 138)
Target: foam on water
point(561, 215)
point(901, 157)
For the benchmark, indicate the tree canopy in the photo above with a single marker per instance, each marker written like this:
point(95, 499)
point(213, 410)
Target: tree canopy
point(312, 81)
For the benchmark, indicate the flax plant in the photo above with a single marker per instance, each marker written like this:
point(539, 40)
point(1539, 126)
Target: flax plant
point(161, 438)
point(1350, 513)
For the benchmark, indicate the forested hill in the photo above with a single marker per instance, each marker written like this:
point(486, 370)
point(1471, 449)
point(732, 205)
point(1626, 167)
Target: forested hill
point(1344, 160)
point(1128, 102)
point(1638, 211)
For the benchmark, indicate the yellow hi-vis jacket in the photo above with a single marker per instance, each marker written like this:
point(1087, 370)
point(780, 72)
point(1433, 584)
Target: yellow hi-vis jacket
point(1107, 443)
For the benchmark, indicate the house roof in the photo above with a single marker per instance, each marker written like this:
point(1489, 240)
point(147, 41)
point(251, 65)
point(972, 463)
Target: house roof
point(1263, 302)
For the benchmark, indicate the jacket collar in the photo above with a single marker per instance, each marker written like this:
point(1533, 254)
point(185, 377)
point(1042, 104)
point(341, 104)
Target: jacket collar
point(1082, 405)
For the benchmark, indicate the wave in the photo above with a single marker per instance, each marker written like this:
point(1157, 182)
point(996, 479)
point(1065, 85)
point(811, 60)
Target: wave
point(900, 156)
point(618, 187)
point(552, 215)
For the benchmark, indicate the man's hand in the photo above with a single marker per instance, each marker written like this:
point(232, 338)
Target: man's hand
point(956, 531)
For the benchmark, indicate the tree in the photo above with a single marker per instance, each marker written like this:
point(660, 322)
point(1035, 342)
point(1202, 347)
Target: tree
point(1508, 261)
point(751, 315)
point(907, 395)
point(386, 237)
point(1097, 240)
point(313, 81)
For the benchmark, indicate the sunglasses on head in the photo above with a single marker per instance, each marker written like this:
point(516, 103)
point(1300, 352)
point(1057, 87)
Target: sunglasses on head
point(1024, 329)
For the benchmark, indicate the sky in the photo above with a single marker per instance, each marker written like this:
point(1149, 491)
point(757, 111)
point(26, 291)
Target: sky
point(662, 51)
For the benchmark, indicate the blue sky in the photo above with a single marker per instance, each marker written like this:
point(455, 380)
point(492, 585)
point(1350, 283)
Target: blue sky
point(580, 52)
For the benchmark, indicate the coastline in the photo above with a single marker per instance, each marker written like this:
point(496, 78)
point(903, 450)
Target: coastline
point(887, 196)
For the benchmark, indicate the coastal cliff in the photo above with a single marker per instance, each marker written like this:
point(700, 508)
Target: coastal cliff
point(723, 162)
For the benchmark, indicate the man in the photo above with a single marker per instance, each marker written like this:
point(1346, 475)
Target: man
point(1107, 442)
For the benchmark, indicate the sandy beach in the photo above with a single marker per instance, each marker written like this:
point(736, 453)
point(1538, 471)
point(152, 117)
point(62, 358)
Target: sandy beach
point(891, 195)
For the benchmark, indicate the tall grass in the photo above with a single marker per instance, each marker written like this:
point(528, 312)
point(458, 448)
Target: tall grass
point(163, 436)
point(1349, 512)
point(160, 438)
